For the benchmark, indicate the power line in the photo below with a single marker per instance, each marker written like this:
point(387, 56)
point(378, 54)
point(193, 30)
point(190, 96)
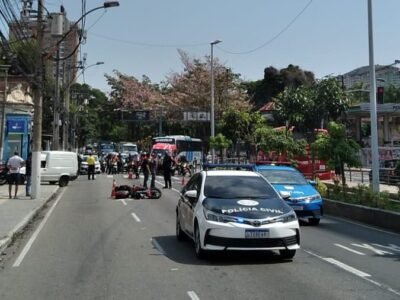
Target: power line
point(149, 44)
point(274, 37)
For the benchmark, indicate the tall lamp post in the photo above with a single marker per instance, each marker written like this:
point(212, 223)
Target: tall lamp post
point(212, 96)
point(3, 109)
point(372, 97)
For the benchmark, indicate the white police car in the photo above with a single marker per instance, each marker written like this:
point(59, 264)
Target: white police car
point(235, 210)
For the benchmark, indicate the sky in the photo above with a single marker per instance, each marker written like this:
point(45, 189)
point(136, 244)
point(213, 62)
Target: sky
point(141, 37)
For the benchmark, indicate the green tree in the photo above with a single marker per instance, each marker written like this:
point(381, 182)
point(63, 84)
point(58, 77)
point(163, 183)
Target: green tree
point(280, 142)
point(336, 149)
point(275, 81)
point(240, 126)
point(330, 102)
point(221, 143)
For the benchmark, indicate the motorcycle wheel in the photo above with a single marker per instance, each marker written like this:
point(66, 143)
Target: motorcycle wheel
point(3, 180)
point(155, 193)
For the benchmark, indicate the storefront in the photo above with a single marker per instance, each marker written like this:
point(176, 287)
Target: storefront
point(17, 135)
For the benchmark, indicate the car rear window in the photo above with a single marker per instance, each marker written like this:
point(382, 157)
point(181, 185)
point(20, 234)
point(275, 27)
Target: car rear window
point(238, 187)
point(283, 177)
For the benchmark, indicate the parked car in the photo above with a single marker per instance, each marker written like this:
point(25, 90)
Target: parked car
point(302, 196)
point(84, 165)
point(58, 166)
point(235, 210)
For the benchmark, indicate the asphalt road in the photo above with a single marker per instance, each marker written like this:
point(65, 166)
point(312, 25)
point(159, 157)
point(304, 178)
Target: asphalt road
point(88, 246)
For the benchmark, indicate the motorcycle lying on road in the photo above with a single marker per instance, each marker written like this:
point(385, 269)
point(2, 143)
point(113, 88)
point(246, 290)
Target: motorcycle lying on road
point(137, 192)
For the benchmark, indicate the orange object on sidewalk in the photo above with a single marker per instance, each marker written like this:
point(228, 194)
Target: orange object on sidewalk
point(113, 189)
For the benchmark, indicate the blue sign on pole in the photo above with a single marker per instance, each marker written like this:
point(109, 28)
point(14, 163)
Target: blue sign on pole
point(16, 125)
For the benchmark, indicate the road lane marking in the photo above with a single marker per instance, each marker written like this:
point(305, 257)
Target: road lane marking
point(381, 285)
point(193, 295)
point(376, 251)
point(157, 246)
point(123, 201)
point(346, 267)
point(391, 247)
point(136, 217)
point(28, 245)
point(349, 249)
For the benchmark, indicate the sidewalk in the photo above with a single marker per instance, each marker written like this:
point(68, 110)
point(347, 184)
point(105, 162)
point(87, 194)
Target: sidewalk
point(15, 214)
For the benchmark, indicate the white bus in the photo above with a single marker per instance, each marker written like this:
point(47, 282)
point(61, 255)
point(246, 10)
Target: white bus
point(179, 145)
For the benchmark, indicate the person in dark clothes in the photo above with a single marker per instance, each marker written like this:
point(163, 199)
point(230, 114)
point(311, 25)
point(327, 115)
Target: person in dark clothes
point(28, 174)
point(145, 167)
point(167, 164)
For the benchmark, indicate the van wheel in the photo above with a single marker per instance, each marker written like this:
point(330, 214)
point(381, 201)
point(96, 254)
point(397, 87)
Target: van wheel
point(63, 181)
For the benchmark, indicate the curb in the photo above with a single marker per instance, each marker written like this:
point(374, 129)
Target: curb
point(6, 241)
point(368, 215)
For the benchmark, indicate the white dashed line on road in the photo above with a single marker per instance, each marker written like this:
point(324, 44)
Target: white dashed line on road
point(354, 271)
point(193, 295)
point(136, 217)
point(123, 202)
point(157, 246)
point(349, 249)
point(346, 267)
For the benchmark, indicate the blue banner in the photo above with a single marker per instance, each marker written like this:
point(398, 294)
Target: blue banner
point(16, 125)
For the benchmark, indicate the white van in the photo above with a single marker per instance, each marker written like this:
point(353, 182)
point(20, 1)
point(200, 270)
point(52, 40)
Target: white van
point(58, 166)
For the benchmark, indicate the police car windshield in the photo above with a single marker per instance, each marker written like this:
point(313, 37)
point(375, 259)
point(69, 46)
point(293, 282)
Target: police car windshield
point(283, 177)
point(233, 187)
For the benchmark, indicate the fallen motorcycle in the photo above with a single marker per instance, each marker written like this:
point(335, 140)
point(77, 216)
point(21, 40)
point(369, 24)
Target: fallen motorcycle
point(137, 192)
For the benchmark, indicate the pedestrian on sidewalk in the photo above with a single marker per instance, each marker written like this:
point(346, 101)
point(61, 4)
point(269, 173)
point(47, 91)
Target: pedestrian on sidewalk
point(14, 165)
point(28, 174)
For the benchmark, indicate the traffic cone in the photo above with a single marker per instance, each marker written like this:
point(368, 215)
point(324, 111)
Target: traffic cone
point(113, 189)
point(130, 175)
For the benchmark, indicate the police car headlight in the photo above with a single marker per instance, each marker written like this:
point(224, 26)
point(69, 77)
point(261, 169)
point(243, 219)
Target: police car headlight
point(289, 217)
point(312, 198)
point(215, 217)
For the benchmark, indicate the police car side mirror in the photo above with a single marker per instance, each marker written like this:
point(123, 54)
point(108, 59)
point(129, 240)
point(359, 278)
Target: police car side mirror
point(192, 194)
point(312, 182)
point(285, 195)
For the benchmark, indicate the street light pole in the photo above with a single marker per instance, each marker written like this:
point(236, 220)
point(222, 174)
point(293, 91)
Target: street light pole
point(372, 97)
point(37, 116)
point(3, 109)
point(212, 96)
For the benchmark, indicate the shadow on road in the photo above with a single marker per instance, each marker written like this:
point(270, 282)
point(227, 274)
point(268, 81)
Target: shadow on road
point(183, 252)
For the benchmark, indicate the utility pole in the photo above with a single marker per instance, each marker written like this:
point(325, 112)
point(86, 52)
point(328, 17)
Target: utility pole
point(56, 108)
point(37, 117)
point(3, 109)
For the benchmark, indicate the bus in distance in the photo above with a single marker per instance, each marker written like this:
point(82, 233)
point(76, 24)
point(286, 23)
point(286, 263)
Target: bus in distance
point(178, 146)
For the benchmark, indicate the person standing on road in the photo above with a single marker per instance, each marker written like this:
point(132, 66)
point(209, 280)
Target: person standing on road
point(167, 165)
point(145, 167)
point(153, 169)
point(14, 165)
point(91, 164)
point(28, 174)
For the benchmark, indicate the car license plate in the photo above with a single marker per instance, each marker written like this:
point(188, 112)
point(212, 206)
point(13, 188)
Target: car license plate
point(256, 234)
point(297, 207)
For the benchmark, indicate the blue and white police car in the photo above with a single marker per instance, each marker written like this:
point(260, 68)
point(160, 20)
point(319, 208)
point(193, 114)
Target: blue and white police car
point(299, 193)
